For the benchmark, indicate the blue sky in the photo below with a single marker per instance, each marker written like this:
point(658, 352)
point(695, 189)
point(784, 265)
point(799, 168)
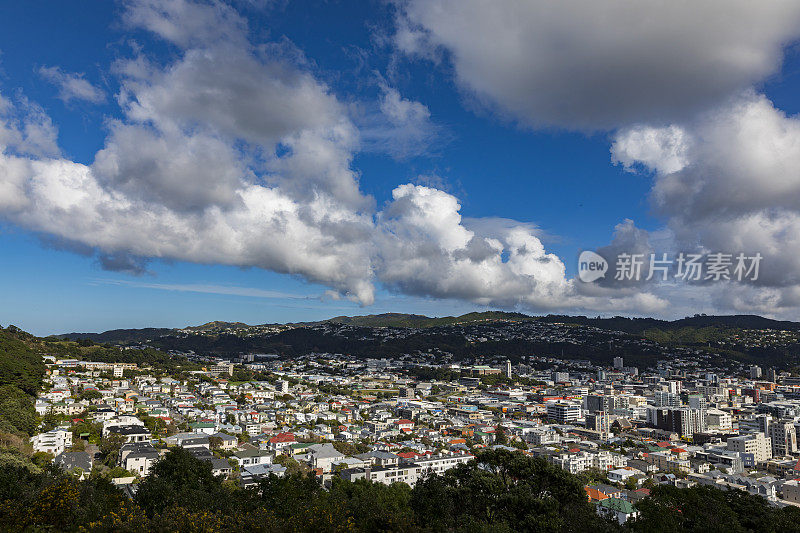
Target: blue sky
point(402, 96)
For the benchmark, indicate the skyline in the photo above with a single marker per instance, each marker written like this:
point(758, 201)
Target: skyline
point(172, 163)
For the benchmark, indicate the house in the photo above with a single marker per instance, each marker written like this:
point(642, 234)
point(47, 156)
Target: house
point(209, 428)
point(78, 463)
point(138, 457)
point(323, 456)
point(281, 441)
point(228, 442)
point(251, 475)
point(791, 491)
point(621, 475)
point(380, 458)
point(55, 441)
point(252, 457)
point(617, 509)
point(131, 433)
point(219, 467)
point(189, 440)
point(404, 424)
point(601, 492)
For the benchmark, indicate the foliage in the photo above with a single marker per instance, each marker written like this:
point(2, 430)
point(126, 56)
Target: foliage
point(348, 448)
point(702, 508)
point(500, 435)
point(499, 491)
point(21, 372)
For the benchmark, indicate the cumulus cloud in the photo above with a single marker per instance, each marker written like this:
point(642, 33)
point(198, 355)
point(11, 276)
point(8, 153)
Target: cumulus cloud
point(581, 64)
point(428, 249)
point(737, 192)
point(72, 86)
point(237, 155)
point(661, 150)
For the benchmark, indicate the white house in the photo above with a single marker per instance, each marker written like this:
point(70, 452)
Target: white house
point(54, 441)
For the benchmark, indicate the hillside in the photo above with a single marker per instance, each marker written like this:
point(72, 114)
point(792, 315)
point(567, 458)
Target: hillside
point(399, 320)
point(634, 326)
point(640, 325)
point(21, 373)
point(120, 335)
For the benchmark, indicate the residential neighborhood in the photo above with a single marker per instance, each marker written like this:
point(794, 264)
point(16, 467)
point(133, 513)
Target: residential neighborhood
point(623, 431)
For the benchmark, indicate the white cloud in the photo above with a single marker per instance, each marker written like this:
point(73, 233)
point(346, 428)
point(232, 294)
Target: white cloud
point(427, 249)
point(186, 23)
point(230, 154)
point(583, 64)
point(398, 126)
point(662, 150)
point(739, 191)
point(72, 86)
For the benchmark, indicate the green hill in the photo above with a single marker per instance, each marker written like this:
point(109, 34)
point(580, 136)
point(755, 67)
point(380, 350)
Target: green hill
point(21, 373)
point(400, 320)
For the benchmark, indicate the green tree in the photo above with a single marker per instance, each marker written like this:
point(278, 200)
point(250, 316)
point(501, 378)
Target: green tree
point(500, 435)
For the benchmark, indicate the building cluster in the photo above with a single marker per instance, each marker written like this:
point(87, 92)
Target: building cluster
point(682, 422)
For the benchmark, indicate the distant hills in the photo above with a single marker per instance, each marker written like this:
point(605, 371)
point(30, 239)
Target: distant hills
point(635, 326)
point(640, 325)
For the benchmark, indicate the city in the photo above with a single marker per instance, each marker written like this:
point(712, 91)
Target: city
point(409, 266)
point(623, 430)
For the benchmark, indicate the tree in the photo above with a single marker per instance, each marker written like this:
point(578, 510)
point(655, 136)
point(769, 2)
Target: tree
point(90, 395)
point(500, 435)
point(503, 490)
point(109, 448)
point(179, 480)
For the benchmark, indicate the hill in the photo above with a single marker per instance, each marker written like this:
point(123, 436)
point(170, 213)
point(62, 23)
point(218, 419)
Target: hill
point(638, 326)
point(21, 373)
point(400, 320)
point(120, 335)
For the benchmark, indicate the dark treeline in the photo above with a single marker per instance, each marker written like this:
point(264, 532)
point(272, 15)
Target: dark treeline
point(358, 343)
point(500, 491)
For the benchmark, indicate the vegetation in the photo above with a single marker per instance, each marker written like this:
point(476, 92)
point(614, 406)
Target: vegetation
point(500, 491)
point(21, 373)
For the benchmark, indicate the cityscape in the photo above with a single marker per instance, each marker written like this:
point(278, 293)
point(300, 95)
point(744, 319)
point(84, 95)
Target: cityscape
point(623, 430)
point(408, 266)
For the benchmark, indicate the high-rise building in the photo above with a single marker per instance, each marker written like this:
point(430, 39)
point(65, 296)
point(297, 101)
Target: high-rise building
point(563, 412)
point(755, 443)
point(784, 438)
point(755, 372)
point(698, 401)
point(508, 368)
point(666, 399)
point(618, 363)
point(681, 420)
point(599, 402)
point(772, 375)
point(599, 422)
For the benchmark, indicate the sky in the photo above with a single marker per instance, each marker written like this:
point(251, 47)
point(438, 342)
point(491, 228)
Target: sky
point(167, 163)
